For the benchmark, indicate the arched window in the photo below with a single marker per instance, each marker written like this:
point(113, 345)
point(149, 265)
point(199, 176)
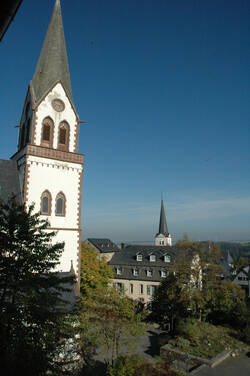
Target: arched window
point(63, 136)
point(60, 204)
point(46, 203)
point(47, 132)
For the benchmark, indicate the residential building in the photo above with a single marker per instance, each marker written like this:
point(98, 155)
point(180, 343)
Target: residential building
point(138, 269)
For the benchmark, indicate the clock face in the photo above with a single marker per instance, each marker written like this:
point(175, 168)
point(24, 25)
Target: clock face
point(58, 105)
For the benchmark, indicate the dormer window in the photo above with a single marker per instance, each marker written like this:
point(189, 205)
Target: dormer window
point(139, 257)
point(149, 273)
point(118, 271)
point(152, 258)
point(163, 273)
point(135, 272)
point(167, 258)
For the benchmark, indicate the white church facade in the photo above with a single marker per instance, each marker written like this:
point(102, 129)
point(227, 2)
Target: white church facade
point(48, 163)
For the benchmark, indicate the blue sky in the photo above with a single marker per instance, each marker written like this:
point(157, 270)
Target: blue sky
point(163, 88)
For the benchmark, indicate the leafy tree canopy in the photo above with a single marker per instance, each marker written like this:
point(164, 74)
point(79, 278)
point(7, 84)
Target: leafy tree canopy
point(95, 272)
point(32, 312)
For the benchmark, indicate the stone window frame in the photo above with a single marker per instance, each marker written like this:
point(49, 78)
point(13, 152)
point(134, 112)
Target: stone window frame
point(63, 147)
point(164, 273)
point(141, 289)
point(139, 257)
point(149, 272)
point(63, 197)
point(167, 258)
point(118, 270)
point(48, 144)
point(152, 257)
point(136, 272)
point(131, 288)
point(44, 194)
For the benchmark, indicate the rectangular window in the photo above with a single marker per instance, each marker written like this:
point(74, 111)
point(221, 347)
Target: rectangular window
point(139, 258)
point(131, 288)
point(141, 289)
point(120, 286)
point(136, 272)
point(148, 290)
point(152, 258)
point(114, 284)
point(149, 273)
point(153, 289)
point(163, 274)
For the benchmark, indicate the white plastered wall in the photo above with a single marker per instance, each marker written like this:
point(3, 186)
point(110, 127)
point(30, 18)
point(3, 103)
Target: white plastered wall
point(45, 109)
point(56, 176)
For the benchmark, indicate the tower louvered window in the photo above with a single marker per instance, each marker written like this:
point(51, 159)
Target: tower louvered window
point(47, 132)
point(63, 136)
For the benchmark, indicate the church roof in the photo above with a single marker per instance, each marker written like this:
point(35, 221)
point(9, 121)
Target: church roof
point(163, 228)
point(103, 245)
point(52, 65)
point(9, 180)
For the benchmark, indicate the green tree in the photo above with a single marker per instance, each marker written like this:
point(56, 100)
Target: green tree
point(227, 305)
point(110, 320)
point(170, 302)
point(95, 272)
point(33, 324)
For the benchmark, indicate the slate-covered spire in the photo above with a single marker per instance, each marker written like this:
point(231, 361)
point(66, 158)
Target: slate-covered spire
point(163, 228)
point(52, 65)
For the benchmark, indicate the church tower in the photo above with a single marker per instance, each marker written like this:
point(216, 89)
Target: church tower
point(50, 168)
point(163, 237)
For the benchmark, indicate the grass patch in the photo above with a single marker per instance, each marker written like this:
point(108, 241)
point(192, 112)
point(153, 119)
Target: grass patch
point(205, 340)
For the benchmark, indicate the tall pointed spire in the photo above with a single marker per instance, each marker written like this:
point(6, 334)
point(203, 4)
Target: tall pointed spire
point(52, 65)
point(163, 237)
point(163, 228)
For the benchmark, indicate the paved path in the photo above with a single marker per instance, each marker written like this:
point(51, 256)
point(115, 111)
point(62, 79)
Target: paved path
point(239, 366)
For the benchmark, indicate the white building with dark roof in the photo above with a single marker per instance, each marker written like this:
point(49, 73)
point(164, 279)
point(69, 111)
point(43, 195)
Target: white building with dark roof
point(139, 269)
point(47, 168)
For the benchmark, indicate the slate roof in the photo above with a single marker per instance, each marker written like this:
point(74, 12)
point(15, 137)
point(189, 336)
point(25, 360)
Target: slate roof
point(104, 245)
point(9, 180)
point(126, 259)
point(163, 228)
point(52, 65)
point(127, 256)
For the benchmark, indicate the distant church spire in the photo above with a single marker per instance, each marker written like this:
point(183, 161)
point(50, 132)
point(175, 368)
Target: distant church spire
point(163, 228)
point(163, 237)
point(52, 65)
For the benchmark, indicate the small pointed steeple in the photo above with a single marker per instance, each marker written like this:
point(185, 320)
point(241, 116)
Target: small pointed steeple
point(163, 237)
point(52, 65)
point(163, 228)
